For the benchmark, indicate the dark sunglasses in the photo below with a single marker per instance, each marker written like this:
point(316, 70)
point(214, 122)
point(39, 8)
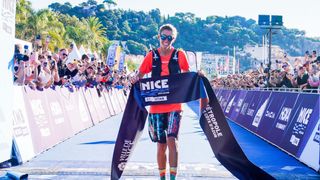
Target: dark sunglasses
point(164, 37)
point(65, 54)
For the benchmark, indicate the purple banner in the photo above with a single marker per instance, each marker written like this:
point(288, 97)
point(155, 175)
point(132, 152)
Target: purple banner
point(304, 120)
point(238, 104)
point(272, 112)
point(263, 101)
point(243, 117)
point(225, 94)
point(276, 132)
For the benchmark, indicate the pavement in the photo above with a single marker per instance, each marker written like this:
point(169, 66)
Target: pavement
point(88, 155)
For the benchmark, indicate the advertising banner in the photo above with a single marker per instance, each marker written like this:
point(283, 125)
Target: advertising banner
point(114, 101)
point(100, 107)
point(224, 98)
point(311, 153)
point(75, 109)
point(122, 61)
point(231, 103)
point(305, 118)
point(42, 128)
point(21, 129)
point(90, 104)
point(243, 117)
point(106, 96)
point(57, 113)
point(241, 95)
point(7, 34)
point(284, 118)
point(111, 55)
point(276, 101)
point(263, 102)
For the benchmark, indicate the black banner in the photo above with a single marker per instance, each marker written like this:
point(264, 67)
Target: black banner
point(181, 88)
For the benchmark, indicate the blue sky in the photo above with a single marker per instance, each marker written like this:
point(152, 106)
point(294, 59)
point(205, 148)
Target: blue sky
point(300, 14)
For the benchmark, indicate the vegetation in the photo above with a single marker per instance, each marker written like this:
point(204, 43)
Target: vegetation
point(93, 24)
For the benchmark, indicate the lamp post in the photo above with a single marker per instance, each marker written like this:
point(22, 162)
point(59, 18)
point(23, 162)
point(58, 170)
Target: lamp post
point(264, 23)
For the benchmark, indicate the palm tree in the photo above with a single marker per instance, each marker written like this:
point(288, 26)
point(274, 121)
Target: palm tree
point(97, 33)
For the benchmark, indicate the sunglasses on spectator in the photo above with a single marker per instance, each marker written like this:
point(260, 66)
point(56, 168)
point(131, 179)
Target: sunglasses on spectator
point(64, 54)
point(164, 37)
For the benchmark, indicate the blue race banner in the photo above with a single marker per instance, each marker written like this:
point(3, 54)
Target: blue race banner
point(252, 106)
point(303, 122)
point(231, 103)
point(283, 119)
point(121, 61)
point(111, 55)
point(263, 102)
point(276, 100)
point(224, 98)
point(241, 95)
point(181, 88)
point(243, 117)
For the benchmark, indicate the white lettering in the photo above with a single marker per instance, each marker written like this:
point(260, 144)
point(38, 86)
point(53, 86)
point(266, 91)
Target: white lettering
point(163, 83)
point(304, 116)
point(285, 114)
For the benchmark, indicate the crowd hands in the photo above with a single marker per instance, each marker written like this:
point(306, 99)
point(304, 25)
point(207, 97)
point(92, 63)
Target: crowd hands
point(41, 70)
point(302, 74)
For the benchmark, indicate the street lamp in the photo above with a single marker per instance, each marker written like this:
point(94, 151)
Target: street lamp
point(264, 23)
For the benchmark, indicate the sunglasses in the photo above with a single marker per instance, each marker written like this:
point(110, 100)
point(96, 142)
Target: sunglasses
point(65, 54)
point(164, 37)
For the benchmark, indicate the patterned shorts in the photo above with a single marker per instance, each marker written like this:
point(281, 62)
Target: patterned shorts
point(164, 124)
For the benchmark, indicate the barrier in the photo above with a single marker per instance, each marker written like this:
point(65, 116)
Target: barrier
point(7, 33)
point(44, 119)
point(286, 119)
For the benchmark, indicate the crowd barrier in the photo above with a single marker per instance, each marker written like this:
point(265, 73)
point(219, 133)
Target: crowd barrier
point(287, 120)
point(44, 119)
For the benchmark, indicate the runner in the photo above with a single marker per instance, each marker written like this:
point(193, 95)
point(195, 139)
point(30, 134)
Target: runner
point(164, 120)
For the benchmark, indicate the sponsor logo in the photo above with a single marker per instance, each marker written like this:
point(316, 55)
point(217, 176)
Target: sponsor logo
point(229, 105)
point(304, 116)
point(285, 114)
point(156, 99)
point(212, 122)
point(36, 106)
point(250, 112)
point(244, 108)
point(258, 116)
point(125, 153)
point(270, 114)
point(55, 108)
point(302, 121)
point(294, 140)
point(159, 84)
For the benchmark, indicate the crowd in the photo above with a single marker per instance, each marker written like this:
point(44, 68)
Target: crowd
point(300, 73)
point(40, 70)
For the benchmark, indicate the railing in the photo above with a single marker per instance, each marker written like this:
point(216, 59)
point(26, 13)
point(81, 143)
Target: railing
point(282, 89)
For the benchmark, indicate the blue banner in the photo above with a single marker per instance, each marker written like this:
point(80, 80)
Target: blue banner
point(121, 61)
point(263, 102)
point(283, 119)
point(306, 116)
point(111, 55)
point(272, 112)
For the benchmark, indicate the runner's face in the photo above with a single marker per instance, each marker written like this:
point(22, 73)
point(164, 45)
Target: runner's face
point(166, 39)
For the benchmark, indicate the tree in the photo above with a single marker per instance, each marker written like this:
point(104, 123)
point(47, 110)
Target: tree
point(110, 3)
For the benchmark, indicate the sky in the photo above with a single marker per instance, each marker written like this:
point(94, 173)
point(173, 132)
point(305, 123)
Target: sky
point(299, 14)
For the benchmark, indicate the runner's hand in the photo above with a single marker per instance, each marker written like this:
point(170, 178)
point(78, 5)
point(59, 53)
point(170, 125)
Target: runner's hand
point(200, 73)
